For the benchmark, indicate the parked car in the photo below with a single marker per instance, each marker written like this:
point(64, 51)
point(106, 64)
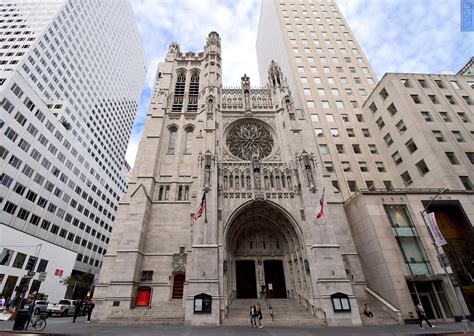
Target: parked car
point(40, 306)
point(63, 308)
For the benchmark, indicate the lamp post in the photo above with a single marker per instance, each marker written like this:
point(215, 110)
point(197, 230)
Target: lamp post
point(439, 254)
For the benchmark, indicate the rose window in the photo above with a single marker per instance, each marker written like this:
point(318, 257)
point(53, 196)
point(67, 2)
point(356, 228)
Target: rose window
point(249, 139)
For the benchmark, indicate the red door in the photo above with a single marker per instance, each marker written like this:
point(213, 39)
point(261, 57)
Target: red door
point(143, 297)
point(178, 286)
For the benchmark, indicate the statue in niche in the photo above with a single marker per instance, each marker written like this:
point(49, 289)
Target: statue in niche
point(179, 261)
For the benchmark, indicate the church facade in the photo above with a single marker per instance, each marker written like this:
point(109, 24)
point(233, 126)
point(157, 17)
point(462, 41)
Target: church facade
point(249, 154)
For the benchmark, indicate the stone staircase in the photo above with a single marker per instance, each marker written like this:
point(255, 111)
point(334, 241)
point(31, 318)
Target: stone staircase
point(286, 312)
point(171, 312)
point(381, 317)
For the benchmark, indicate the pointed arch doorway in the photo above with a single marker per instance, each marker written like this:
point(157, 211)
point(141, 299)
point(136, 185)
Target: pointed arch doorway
point(264, 252)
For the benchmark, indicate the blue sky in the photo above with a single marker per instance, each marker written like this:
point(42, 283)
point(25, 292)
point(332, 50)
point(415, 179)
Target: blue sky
point(396, 36)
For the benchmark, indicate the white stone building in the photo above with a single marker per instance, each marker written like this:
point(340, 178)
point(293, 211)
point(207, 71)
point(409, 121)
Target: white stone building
point(247, 148)
point(71, 74)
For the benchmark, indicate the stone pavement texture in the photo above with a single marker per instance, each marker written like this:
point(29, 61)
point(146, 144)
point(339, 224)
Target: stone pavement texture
point(64, 326)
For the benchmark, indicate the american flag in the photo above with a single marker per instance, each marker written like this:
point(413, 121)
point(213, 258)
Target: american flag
point(321, 204)
point(201, 209)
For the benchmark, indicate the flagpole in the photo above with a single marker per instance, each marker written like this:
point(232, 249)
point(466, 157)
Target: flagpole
point(205, 208)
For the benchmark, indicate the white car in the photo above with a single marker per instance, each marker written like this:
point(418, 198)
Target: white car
point(63, 308)
point(40, 306)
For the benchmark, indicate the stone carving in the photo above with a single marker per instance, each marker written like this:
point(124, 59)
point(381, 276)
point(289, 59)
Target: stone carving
point(248, 140)
point(179, 261)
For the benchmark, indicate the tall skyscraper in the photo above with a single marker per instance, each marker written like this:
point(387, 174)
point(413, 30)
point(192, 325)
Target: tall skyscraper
point(71, 74)
point(395, 150)
point(330, 78)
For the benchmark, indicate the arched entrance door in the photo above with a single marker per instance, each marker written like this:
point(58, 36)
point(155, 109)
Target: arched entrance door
point(264, 252)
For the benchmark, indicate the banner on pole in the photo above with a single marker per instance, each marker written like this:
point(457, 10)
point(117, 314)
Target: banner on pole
point(437, 235)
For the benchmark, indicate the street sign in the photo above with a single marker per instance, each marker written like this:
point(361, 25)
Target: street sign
point(41, 276)
point(31, 274)
point(27, 277)
point(58, 272)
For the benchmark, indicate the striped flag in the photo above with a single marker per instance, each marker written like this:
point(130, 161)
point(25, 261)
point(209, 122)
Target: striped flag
point(201, 209)
point(321, 204)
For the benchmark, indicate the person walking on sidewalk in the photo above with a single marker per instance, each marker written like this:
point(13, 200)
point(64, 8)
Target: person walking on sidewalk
point(422, 316)
point(77, 310)
point(90, 308)
point(253, 316)
point(259, 315)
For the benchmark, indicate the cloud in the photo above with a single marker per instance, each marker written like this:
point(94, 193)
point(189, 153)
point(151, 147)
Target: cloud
point(396, 36)
point(409, 35)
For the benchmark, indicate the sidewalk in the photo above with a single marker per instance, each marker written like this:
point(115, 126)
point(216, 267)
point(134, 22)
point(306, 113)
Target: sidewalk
point(64, 326)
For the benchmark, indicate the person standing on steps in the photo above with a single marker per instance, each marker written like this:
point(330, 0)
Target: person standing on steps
point(259, 315)
point(251, 313)
point(422, 316)
point(90, 308)
point(367, 311)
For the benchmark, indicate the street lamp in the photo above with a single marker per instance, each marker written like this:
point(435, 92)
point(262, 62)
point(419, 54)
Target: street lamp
point(439, 254)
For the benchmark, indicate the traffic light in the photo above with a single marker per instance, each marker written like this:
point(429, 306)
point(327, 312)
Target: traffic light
point(30, 265)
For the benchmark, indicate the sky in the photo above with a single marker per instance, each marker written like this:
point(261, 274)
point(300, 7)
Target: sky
point(421, 36)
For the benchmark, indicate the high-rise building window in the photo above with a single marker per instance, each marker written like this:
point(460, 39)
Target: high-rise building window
point(323, 149)
point(346, 166)
point(463, 117)
point(452, 158)
point(426, 115)
point(373, 149)
point(458, 136)
point(406, 178)
point(397, 158)
point(466, 182)
point(388, 185)
point(401, 127)
point(422, 167)
point(416, 99)
point(438, 136)
point(352, 186)
point(392, 109)
point(380, 166)
point(411, 146)
point(388, 139)
point(445, 116)
point(470, 156)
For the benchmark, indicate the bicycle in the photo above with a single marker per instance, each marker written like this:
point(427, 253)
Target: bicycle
point(40, 322)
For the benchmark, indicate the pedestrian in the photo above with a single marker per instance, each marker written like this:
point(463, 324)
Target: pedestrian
point(2, 303)
point(251, 315)
point(259, 315)
point(77, 310)
point(422, 316)
point(367, 311)
point(90, 308)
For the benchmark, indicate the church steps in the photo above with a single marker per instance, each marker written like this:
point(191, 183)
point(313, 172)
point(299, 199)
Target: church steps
point(286, 312)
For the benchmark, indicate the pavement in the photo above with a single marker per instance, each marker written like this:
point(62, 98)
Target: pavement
point(59, 326)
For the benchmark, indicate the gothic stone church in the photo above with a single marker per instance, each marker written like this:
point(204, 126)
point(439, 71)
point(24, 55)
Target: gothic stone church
point(251, 151)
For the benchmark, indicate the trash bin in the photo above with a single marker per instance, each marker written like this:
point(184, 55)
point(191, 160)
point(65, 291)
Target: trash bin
point(21, 319)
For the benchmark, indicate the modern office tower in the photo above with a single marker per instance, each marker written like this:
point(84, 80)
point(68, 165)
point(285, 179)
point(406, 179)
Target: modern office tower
point(424, 126)
point(244, 152)
point(389, 161)
point(330, 78)
point(71, 74)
